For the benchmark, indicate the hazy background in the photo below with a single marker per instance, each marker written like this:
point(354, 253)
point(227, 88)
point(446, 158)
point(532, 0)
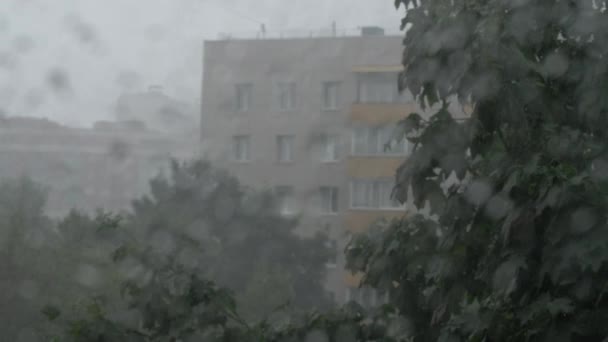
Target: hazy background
point(68, 60)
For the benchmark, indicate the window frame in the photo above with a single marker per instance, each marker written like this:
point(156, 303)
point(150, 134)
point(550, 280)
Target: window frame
point(235, 143)
point(333, 201)
point(281, 138)
point(243, 107)
point(367, 78)
point(377, 191)
point(326, 86)
point(286, 194)
point(380, 143)
point(333, 262)
point(289, 89)
point(325, 144)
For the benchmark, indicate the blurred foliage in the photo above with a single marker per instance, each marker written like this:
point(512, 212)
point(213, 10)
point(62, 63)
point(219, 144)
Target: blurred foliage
point(200, 223)
point(206, 220)
point(516, 248)
point(516, 244)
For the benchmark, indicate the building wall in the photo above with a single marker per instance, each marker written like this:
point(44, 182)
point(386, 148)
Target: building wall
point(308, 63)
point(87, 169)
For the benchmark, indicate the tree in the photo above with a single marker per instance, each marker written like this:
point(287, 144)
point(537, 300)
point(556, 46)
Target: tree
point(516, 244)
point(206, 219)
point(517, 247)
point(200, 223)
point(25, 239)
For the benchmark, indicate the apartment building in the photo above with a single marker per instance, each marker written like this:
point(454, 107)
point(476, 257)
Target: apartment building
point(102, 167)
point(310, 118)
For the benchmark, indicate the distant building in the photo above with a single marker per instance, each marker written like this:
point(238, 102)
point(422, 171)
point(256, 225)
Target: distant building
point(86, 168)
point(310, 118)
point(158, 112)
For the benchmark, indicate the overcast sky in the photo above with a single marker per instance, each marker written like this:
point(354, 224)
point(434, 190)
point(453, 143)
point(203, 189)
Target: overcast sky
point(69, 59)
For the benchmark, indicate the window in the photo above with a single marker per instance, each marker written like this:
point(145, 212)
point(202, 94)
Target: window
point(377, 140)
point(286, 200)
point(285, 148)
point(373, 194)
point(330, 95)
point(329, 148)
point(329, 199)
point(241, 148)
point(377, 88)
point(244, 96)
point(286, 95)
point(332, 246)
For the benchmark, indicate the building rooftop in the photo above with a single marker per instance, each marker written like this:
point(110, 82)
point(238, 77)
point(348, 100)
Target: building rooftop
point(263, 34)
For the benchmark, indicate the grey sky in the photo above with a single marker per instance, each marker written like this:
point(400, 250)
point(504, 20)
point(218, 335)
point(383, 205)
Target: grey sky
point(70, 59)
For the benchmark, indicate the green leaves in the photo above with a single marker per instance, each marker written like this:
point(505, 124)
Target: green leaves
point(525, 217)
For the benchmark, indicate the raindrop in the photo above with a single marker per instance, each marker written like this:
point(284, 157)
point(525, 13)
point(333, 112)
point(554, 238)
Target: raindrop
point(83, 32)
point(198, 231)
point(582, 220)
point(497, 207)
point(599, 170)
point(478, 192)
point(7, 60)
point(555, 65)
point(162, 242)
point(58, 80)
point(23, 44)
point(88, 275)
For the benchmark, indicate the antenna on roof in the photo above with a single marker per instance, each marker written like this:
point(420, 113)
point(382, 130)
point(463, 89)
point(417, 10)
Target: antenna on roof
point(263, 30)
point(248, 18)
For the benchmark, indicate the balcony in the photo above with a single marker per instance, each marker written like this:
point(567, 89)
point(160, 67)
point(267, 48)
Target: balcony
point(359, 221)
point(373, 166)
point(380, 113)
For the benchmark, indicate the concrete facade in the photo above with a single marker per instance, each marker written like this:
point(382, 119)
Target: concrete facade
point(309, 63)
point(86, 168)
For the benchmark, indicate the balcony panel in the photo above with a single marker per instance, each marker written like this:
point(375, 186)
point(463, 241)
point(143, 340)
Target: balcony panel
point(373, 167)
point(380, 113)
point(358, 221)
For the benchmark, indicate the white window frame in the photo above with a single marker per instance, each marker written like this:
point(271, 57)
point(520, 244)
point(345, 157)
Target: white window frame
point(289, 140)
point(287, 200)
point(375, 79)
point(236, 140)
point(333, 263)
point(244, 97)
point(289, 90)
point(380, 142)
point(377, 190)
point(330, 142)
point(334, 198)
point(327, 87)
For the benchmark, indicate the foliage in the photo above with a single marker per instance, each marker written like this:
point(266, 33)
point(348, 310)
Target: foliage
point(206, 220)
point(201, 223)
point(24, 234)
point(516, 244)
point(517, 247)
